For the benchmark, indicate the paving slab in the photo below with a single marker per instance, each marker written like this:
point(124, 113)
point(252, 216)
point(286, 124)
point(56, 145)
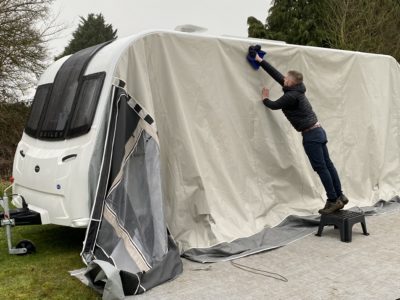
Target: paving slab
point(316, 268)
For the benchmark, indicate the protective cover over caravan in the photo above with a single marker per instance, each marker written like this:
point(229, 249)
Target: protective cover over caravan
point(187, 143)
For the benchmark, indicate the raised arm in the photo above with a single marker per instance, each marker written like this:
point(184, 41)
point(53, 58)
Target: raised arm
point(274, 73)
point(287, 101)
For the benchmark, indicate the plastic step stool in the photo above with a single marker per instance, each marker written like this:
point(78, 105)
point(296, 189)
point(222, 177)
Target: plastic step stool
point(344, 221)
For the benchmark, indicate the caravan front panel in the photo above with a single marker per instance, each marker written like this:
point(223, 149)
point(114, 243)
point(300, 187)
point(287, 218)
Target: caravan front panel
point(53, 161)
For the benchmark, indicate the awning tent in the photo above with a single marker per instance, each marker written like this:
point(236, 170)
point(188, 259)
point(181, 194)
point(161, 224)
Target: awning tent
point(190, 144)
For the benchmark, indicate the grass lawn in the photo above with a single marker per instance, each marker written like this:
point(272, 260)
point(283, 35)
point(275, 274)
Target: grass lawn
point(43, 275)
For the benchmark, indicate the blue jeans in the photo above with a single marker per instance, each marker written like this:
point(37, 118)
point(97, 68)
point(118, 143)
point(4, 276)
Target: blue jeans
point(314, 142)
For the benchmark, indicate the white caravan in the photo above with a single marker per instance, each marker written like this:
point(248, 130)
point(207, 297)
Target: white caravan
point(59, 155)
point(214, 134)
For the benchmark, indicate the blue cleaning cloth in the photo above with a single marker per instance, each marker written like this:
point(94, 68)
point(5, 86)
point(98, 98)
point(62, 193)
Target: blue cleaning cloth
point(261, 53)
point(253, 50)
point(253, 62)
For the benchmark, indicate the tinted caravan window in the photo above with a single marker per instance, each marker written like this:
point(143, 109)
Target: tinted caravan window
point(59, 108)
point(39, 101)
point(54, 109)
point(61, 102)
point(85, 108)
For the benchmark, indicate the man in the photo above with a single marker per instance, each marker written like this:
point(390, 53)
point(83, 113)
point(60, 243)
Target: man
point(299, 112)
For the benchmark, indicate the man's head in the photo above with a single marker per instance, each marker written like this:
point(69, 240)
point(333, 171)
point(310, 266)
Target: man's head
point(292, 78)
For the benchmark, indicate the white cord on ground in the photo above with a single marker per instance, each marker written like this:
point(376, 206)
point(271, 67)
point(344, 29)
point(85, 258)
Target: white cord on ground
point(259, 272)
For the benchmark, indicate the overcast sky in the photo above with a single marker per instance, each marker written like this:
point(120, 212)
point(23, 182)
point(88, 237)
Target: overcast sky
point(132, 16)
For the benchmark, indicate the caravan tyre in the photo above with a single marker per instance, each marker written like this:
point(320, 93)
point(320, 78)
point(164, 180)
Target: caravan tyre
point(28, 245)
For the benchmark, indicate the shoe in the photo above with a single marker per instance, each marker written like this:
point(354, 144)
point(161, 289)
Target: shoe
point(327, 204)
point(344, 199)
point(331, 207)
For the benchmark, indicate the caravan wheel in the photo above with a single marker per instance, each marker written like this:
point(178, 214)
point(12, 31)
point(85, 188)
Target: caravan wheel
point(28, 245)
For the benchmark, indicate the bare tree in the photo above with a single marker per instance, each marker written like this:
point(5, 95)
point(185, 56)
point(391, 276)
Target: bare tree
point(364, 25)
point(25, 27)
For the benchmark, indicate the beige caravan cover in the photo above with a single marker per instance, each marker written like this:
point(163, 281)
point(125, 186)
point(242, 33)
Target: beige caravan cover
point(230, 166)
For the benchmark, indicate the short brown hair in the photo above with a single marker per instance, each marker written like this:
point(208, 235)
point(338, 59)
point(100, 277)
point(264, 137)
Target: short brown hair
point(297, 76)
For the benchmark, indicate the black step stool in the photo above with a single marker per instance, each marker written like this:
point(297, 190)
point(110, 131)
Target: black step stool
point(344, 220)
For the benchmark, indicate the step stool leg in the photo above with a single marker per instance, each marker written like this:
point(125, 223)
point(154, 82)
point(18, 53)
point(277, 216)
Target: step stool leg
point(320, 228)
point(343, 233)
point(364, 228)
point(349, 232)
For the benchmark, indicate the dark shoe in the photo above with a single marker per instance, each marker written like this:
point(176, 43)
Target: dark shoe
point(344, 199)
point(331, 207)
point(327, 204)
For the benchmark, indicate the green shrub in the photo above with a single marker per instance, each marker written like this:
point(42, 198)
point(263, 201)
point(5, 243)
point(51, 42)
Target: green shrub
point(12, 122)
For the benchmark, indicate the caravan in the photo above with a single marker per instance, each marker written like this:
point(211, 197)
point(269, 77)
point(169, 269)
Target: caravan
point(59, 154)
point(168, 128)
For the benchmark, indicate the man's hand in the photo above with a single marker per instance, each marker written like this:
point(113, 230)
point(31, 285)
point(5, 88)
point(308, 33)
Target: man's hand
point(258, 58)
point(265, 93)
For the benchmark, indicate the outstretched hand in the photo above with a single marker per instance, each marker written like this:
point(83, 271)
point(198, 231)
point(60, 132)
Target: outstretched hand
point(265, 93)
